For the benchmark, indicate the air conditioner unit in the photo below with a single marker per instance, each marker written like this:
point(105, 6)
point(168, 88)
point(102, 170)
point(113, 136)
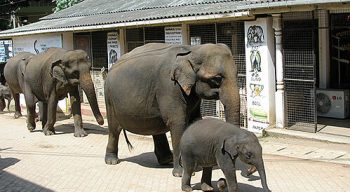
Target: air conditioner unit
point(332, 103)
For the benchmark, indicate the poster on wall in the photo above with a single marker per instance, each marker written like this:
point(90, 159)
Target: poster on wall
point(36, 43)
point(113, 48)
point(258, 65)
point(5, 50)
point(173, 35)
point(196, 40)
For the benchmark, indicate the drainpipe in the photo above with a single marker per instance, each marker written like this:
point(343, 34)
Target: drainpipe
point(279, 95)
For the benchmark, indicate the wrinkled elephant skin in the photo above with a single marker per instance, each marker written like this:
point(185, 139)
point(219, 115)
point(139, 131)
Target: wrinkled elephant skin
point(158, 88)
point(49, 77)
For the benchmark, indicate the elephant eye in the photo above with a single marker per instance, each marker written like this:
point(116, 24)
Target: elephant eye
point(215, 82)
point(75, 74)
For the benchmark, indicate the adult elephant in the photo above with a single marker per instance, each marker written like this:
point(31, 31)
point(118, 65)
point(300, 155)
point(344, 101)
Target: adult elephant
point(14, 75)
point(49, 77)
point(158, 88)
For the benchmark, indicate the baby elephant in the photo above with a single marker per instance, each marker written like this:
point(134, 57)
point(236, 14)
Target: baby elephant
point(5, 93)
point(211, 142)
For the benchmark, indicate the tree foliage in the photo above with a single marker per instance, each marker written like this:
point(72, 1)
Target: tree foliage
point(63, 4)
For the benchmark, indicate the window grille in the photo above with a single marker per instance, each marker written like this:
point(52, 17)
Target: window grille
point(139, 36)
point(300, 50)
point(231, 34)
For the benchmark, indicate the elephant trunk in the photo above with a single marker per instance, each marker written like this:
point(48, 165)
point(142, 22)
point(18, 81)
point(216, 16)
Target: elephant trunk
point(261, 171)
point(229, 96)
point(89, 89)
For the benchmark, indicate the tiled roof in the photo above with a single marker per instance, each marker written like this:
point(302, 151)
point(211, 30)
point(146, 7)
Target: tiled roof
point(91, 14)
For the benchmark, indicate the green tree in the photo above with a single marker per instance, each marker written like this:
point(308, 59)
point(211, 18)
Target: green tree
point(62, 4)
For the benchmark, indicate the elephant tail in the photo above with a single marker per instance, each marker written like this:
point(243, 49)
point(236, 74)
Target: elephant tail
point(130, 147)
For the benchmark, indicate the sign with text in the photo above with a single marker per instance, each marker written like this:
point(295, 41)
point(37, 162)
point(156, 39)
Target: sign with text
point(113, 48)
point(260, 78)
point(5, 50)
point(173, 35)
point(36, 43)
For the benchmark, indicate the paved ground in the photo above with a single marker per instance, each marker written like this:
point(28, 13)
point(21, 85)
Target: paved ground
point(34, 162)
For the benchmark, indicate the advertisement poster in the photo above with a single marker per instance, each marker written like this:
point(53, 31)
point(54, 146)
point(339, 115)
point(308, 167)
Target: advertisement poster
point(173, 35)
point(258, 66)
point(36, 43)
point(113, 48)
point(5, 50)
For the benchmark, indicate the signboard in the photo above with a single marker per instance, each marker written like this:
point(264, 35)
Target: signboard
point(260, 74)
point(173, 35)
point(113, 48)
point(5, 50)
point(36, 43)
point(196, 40)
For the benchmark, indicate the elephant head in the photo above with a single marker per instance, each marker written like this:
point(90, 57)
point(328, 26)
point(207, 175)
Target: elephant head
point(211, 72)
point(249, 151)
point(73, 68)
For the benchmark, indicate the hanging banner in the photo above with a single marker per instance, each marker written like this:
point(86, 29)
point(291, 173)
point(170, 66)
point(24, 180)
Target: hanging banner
point(173, 35)
point(113, 48)
point(36, 43)
point(5, 50)
point(260, 80)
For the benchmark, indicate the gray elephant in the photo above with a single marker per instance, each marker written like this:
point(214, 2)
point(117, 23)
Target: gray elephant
point(211, 142)
point(14, 75)
point(5, 93)
point(158, 88)
point(49, 77)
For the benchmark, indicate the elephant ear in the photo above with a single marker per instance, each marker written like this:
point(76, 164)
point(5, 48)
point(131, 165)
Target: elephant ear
point(57, 71)
point(230, 148)
point(183, 72)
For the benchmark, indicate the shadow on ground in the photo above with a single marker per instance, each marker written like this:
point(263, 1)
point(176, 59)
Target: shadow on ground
point(241, 186)
point(10, 182)
point(147, 159)
point(88, 127)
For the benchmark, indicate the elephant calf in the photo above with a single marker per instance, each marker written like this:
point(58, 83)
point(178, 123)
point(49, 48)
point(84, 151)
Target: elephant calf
point(211, 142)
point(5, 93)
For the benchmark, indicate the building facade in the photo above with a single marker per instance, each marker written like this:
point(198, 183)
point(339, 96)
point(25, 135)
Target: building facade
point(289, 53)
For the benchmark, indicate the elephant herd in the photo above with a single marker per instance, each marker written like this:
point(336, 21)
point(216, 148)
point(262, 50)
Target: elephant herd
point(154, 89)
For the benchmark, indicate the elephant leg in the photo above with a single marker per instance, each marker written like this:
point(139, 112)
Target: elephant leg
point(43, 113)
point(2, 104)
point(8, 104)
point(228, 168)
point(206, 179)
point(30, 104)
point(51, 115)
point(162, 149)
point(76, 112)
point(17, 105)
point(188, 167)
point(114, 129)
point(176, 133)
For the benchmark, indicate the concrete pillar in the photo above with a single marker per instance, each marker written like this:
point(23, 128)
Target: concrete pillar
point(185, 34)
point(279, 95)
point(323, 39)
point(122, 40)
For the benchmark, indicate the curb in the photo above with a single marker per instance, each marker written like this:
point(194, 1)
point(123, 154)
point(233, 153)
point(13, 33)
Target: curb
point(323, 137)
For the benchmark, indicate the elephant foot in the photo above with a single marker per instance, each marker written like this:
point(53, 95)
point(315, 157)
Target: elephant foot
point(177, 172)
point(30, 128)
point(111, 159)
point(80, 133)
point(206, 187)
point(17, 115)
point(49, 132)
point(186, 188)
point(165, 160)
point(221, 184)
